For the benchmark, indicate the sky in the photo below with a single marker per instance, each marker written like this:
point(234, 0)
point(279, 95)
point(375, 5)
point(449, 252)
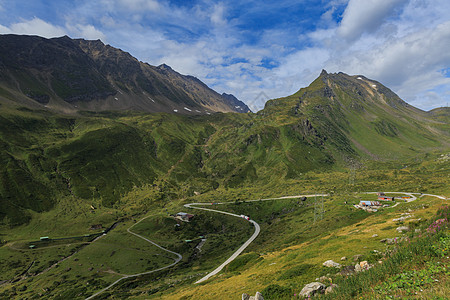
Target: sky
point(259, 50)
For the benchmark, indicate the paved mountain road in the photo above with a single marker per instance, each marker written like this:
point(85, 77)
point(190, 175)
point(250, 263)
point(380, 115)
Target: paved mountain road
point(251, 239)
point(243, 247)
point(235, 254)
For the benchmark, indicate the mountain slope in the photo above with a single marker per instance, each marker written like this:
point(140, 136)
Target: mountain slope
point(336, 122)
point(70, 75)
point(360, 116)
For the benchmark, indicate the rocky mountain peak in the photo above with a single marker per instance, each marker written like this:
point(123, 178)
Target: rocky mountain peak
point(77, 74)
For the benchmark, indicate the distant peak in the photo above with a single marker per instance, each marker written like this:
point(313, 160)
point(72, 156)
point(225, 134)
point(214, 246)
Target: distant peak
point(165, 67)
point(323, 73)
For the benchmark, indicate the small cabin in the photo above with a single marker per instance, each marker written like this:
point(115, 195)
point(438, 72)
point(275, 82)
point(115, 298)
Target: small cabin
point(185, 217)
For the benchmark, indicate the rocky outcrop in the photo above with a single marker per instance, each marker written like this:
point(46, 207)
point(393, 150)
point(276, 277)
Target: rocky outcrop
point(258, 296)
point(402, 229)
point(330, 288)
point(331, 264)
point(312, 288)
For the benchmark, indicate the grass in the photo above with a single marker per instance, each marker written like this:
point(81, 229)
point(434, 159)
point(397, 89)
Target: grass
point(60, 175)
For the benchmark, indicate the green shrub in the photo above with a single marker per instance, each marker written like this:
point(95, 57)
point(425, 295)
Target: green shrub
point(274, 291)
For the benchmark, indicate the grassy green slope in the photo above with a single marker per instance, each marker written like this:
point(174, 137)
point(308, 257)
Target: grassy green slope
point(339, 120)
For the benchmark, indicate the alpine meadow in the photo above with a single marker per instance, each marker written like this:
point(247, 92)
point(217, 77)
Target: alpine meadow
point(124, 180)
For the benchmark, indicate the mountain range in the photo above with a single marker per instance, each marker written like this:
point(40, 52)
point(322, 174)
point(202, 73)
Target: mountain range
point(69, 75)
point(99, 152)
point(338, 121)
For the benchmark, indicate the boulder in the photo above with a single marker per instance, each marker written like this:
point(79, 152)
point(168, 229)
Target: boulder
point(357, 257)
point(402, 229)
point(389, 241)
point(312, 288)
point(343, 258)
point(258, 296)
point(245, 296)
point(348, 270)
point(331, 264)
point(358, 268)
point(330, 288)
point(375, 235)
point(364, 265)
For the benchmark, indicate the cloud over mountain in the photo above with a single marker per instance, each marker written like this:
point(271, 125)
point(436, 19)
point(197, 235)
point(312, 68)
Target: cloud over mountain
point(274, 47)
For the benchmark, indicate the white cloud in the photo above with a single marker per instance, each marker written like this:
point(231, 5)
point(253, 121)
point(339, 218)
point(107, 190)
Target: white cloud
point(139, 5)
point(217, 16)
point(4, 30)
point(401, 43)
point(35, 26)
point(86, 31)
point(39, 27)
point(408, 65)
point(365, 16)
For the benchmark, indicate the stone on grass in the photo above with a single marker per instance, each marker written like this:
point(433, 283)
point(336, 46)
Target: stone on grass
point(402, 229)
point(389, 241)
point(348, 270)
point(245, 296)
point(330, 288)
point(343, 258)
point(331, 264)
point(358, 268)
point(375, 235)
point(312, 288)
point(258, 296)
point(364, 265)
point(357, 257)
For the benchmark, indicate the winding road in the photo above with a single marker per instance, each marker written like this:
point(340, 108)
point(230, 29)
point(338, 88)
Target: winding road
point(179, 257)
point(235, 254)
point(251, 239)
point(243, 247)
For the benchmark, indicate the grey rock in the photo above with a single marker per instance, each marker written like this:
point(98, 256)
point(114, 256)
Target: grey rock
point(330, 288)
point(312, 288)
point(258, 296)
point(331, 264)
point(245, 296)
point(357, 257)
point(343, 258)
point(375, 235)
point(388, 241)
point(402, 229)
point(358, 268)
point(348, 270)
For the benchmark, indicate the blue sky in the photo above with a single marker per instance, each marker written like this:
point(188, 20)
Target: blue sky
point(253, 48)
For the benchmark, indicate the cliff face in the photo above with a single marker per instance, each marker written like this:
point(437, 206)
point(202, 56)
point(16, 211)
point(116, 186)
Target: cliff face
point(71, 75)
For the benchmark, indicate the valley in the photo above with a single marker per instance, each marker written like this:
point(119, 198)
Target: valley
point(121, 202)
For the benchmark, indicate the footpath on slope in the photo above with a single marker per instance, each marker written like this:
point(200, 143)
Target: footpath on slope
point(179, 257)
